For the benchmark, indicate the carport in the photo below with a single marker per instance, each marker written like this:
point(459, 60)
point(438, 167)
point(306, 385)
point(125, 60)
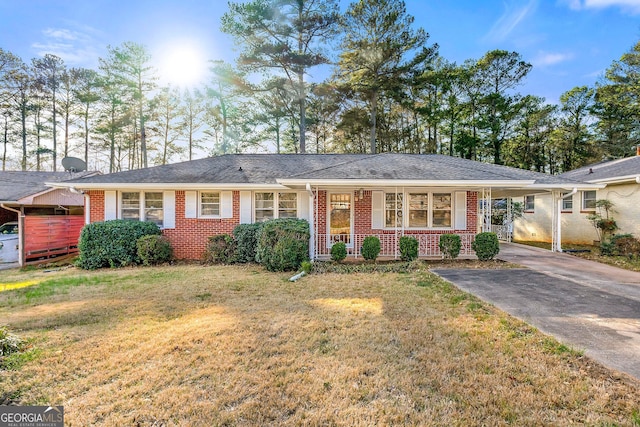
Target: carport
point(49, 219)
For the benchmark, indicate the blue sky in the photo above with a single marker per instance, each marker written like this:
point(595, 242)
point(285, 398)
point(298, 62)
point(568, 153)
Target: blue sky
point(569, 42)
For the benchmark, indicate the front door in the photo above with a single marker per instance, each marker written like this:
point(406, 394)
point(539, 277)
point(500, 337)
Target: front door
point(340, 218)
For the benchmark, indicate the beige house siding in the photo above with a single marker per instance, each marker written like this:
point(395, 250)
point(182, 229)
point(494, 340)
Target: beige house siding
point(576, 229)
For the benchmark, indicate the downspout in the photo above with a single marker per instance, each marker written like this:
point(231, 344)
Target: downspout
point(558, 241)
point(312, 225)
point(21, 257)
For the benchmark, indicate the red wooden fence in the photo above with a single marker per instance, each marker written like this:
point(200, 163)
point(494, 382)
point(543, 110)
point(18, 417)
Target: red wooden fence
point(46, 236)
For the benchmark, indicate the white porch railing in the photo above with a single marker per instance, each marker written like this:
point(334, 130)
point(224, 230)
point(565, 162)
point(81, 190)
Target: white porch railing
point(389, 244)
point(504, 232)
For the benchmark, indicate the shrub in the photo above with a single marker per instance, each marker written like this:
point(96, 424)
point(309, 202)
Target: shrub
point(246, 236)
point(307, 266)
point(154, 249)
point(283, 244)
point(221, 249)
point(486, 246)
point(408, 248)
point(450, 245)
point(112, 243)
point(9, 343)
point(338, 251)
point(621, 245)
point(370, 248)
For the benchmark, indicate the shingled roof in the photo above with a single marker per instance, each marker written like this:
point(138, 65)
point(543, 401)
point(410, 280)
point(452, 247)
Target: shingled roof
point(277, 168)
point(15, 185)
point(628, 167)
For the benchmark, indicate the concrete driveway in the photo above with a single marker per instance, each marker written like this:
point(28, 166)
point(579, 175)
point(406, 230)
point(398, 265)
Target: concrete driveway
point(587, 305)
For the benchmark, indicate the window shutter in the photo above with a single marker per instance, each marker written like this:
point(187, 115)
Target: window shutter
point(110, 205)
point(87, 209)
point(461, 210)
point(377, 210)
point(246, 208)
point(303, 205)
point(169, 208)
point(190, 204)
point(226, 204)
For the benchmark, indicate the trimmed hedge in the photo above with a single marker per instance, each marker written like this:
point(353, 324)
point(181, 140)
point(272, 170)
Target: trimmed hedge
point(283, 244)
point(338, 251)
point(486, 246)
point(112, 243)
point(246, 236)
point(408, 248)
point(370, 248)
point(450, 245)
point(154, 249)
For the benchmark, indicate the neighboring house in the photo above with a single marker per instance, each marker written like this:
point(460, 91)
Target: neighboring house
point(345, 197)
point(49, 219)
point(620, 181)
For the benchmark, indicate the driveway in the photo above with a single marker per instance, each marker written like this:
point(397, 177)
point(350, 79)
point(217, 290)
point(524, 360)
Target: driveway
point(587, 305)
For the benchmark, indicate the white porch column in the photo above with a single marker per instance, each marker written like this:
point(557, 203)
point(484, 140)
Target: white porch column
point(556, 227)
point(312, 224)
point(486, 209)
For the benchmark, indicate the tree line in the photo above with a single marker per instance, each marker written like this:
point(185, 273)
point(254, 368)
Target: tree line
point(388, 90)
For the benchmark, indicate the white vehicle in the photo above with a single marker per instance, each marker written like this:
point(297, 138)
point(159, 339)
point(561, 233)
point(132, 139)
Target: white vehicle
point(9, 245)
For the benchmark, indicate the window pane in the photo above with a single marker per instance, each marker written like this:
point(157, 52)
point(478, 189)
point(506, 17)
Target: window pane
point(131, 205)
point(441, 210)
point(529, 203)
point(567, 204)
point(393, 210)
point(287, 205)
point(209, 203)
point(588, 200)
point(153, 207)
point(264, 206)
point(418, 210)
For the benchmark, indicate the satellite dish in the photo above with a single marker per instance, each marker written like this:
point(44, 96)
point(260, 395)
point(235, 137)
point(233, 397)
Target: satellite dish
point(74, 164)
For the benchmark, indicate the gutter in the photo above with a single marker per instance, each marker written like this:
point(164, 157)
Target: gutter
point(20, 232)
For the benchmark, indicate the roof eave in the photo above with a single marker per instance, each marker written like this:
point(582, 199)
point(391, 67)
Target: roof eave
point(161, 186)
point(617, 179)
point(404, 183)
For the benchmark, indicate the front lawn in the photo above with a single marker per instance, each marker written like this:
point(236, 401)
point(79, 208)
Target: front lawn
point(193, 345)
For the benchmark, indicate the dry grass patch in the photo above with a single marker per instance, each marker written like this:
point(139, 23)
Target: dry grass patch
point(191, 345)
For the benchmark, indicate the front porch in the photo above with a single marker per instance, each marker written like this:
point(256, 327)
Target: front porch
point(428, 244)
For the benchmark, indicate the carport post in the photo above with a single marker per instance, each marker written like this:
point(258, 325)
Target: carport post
point(557, 239)
point(20, 213)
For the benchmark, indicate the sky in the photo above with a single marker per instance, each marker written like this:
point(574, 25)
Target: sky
point(569, 42)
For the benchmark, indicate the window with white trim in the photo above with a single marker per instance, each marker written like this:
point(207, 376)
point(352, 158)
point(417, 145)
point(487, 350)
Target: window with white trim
point(529, 203)
point(589, 200)
point(287, 205)
point(441, 213)
point(418, 210)
point(422, 210)
point(209, 204)
point(567, 203)
point(142, 206)
point(265, 206)
point(393, 210)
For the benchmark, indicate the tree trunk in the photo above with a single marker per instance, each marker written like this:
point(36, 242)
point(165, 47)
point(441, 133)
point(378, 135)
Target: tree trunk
point(374, 108)
point(55, 131)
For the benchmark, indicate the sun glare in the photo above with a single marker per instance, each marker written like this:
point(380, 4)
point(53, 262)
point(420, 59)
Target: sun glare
point(182, 65)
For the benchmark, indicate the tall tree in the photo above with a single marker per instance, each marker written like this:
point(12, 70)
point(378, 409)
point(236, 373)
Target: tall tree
point(574, 140)
point(168, 127)
point(130, 64)
point(500, 71)
point(378, 49)
point(193, 110)
point(87, 96)
point(49, 70)
point(283, 35)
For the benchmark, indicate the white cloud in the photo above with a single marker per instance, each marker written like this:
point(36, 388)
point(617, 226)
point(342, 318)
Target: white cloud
point(513, 15)
point(627, 6)
point(544, 59)
point(76, 48)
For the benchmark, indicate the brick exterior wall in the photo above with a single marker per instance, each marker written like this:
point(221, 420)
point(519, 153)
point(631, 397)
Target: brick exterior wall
point(189, 238)
point(96, 205)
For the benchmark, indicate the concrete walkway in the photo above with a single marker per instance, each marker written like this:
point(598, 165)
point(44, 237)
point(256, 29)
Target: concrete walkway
point(587, 305)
